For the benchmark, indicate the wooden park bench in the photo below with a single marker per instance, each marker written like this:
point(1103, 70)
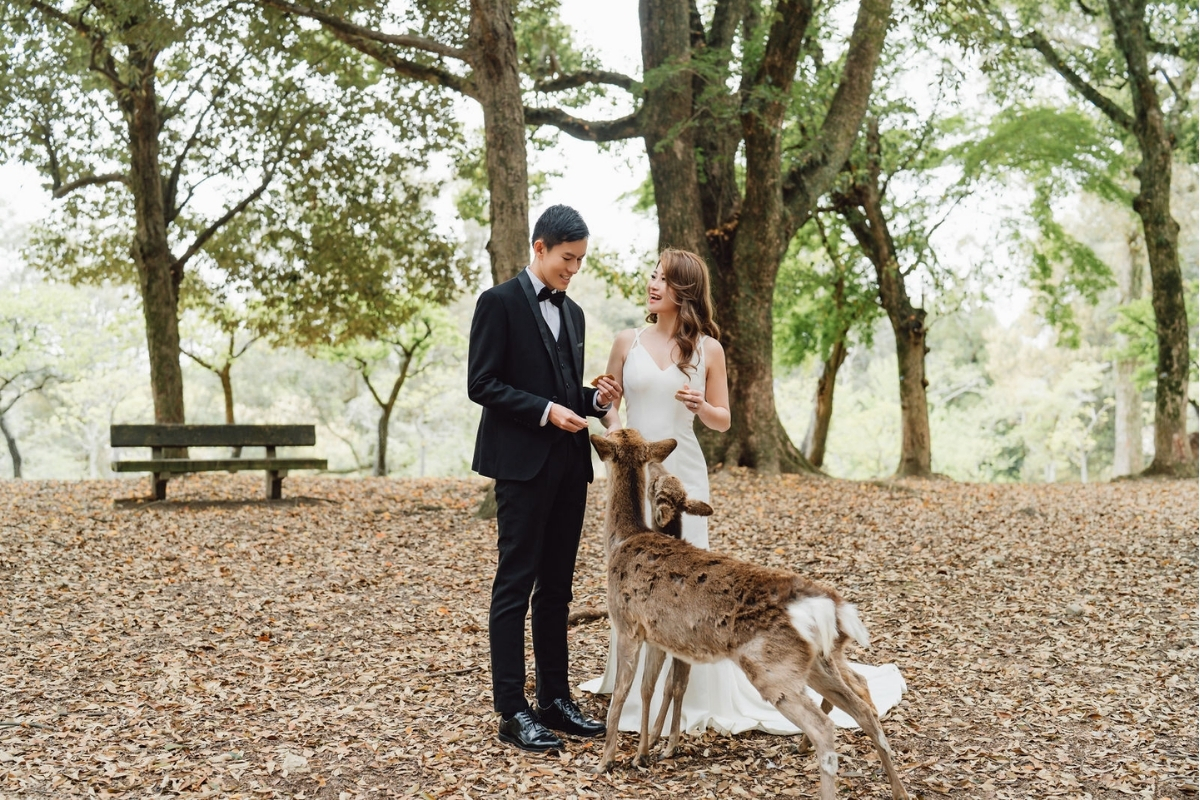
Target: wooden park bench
point(158, 437)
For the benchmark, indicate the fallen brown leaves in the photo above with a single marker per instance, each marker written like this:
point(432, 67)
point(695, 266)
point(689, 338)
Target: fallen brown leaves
point(334, 645)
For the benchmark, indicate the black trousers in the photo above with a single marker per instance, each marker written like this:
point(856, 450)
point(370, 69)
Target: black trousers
point(539, 522)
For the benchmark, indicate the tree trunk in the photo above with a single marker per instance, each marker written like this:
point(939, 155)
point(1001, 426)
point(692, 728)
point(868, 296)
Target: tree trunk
point(862, 206)
point(908, 324)
point(747, 243)
point(1127, 452)
point(13, 452)
point(158, 276)
point(666, 52)
point(227, 390)
point(493, 46)
point(813, 446)
point(385, 420)
point(1172, 452)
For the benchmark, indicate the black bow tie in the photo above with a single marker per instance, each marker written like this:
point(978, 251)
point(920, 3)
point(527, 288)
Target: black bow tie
point(550, 294)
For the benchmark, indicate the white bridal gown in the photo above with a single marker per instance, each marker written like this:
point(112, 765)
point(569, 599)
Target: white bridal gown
point(718, 696)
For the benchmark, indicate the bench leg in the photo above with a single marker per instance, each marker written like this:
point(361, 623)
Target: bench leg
point(275, 484)
point(158, 481)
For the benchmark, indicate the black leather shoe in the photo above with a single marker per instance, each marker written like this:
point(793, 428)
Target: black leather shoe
point(564, 715)
point(525, 731)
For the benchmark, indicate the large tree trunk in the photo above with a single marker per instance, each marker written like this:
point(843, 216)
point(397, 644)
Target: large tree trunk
point(747, 241)
point(813, 446)
point(14, 452)
point(862, 206)
point(666, 52)
point(1172, 451)
point(493, 48)
point(151, 252)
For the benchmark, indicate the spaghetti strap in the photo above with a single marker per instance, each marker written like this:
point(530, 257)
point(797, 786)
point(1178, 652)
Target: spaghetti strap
point(637, 336)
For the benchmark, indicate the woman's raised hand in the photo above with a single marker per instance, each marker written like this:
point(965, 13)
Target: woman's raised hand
point(690, 398)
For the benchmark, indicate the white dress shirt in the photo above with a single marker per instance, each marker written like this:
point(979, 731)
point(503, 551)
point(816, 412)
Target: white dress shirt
point(553, 316)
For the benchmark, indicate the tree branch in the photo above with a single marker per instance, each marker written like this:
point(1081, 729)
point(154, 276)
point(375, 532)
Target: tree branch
point(820, 163)
point(1110, 109)
point(334, 22)
point(206, 234)
point(1164, 48)
point(584, 77)
point(108, 68)
point(172, 188)
point(63, 189)
point(628, 127)
point(198, 360)
point(365, 371)
point(437, 76)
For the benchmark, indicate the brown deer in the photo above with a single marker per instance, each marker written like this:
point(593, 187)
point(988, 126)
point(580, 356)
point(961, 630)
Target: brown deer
point(784, 631)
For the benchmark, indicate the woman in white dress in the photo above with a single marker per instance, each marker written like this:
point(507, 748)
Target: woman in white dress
point(673, 372)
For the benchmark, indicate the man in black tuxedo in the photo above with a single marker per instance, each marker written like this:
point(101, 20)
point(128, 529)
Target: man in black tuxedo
point(525, 367)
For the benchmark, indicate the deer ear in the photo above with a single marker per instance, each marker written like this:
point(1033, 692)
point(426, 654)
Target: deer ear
point(699, 508)
point(603, 447)
point(660, 514)
point(658, 451)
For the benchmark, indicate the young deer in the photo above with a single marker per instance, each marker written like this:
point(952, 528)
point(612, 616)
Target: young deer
point(784, 631)
point(669, 501)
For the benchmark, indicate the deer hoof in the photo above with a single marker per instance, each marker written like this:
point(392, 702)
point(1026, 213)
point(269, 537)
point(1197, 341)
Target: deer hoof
point(603, 767)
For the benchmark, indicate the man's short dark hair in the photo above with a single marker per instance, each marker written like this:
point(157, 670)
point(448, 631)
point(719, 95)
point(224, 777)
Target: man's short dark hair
point(559, 224)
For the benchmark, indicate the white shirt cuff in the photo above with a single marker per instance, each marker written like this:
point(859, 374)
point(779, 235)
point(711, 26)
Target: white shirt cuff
point(596, 403)
point(546, 414)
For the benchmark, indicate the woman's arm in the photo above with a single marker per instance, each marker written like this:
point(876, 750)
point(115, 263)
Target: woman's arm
point(616, 368)
point(714, 411)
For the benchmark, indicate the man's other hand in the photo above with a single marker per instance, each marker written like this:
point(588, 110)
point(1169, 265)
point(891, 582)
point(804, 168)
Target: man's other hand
point(565, 418)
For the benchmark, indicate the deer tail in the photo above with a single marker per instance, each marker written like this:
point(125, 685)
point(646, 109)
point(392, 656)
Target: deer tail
point(816, 620)
point(849, 624)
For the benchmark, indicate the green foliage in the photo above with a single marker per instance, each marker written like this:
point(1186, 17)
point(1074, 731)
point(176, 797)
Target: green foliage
point(1136, 324)
point(342, 267)
point(1061, 150)
point(825, 292)
point(250, 101)
point(628, 283)
point(1062, 270)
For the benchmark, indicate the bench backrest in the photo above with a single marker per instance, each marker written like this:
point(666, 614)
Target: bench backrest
point(212, 435)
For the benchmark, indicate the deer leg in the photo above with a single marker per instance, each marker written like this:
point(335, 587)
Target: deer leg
point(650, 670)
point(830, 677)
point(677, 682)
point(805, 743)
point(627, 652)
point(781, 682)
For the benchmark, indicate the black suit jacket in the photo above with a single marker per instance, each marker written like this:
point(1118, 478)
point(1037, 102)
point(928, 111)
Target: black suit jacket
point(513, 372)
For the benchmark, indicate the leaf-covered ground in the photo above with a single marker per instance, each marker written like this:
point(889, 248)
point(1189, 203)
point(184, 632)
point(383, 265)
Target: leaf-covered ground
point(334, 644)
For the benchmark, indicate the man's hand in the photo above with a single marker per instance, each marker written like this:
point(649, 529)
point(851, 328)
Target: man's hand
point(608, 391)
point(565, 418)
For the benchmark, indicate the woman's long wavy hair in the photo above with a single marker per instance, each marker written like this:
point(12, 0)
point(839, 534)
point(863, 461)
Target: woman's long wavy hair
point(686, 275)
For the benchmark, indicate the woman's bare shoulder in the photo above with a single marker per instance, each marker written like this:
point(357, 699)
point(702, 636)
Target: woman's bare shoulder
point(713, 348)
point(625, 338)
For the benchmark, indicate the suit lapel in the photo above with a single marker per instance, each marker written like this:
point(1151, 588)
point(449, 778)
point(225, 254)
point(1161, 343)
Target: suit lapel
point(539, 320)
point(573, 338)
